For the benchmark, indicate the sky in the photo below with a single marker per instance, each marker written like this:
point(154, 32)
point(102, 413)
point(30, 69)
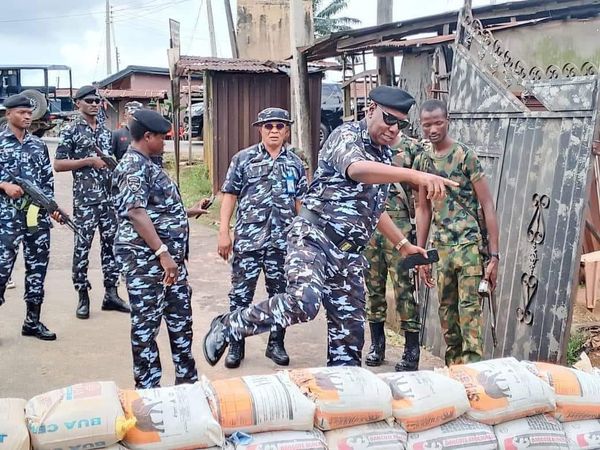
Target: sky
point(72, 32)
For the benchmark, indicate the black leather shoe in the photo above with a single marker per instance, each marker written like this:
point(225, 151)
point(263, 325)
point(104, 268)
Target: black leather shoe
point(112, 301)
point(275, 349)
point(215, 341)
point(376, 354)
point(237, 350)
point(83, 306)
point(32, 325)
point(411, 355)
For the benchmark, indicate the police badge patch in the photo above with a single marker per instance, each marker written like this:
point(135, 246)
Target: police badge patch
point(134, 183)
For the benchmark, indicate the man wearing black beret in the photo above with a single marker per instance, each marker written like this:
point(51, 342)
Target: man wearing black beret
point(151, 247)
point(344, 204)
point(24, 156)
point(92, 205)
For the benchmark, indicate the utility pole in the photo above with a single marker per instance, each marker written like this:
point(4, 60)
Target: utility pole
point(211, 28)
point(108, 57)
point(385, 66)
point(114, 38)
point(301, 35)
point(232, 37)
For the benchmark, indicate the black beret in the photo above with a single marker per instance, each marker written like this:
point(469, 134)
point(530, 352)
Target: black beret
point(392, 97)
point(273, 115)
point(152, 121)
point(84, 91)
point(18, 101)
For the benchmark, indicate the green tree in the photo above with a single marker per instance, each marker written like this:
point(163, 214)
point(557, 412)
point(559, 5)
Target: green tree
point(326, 17)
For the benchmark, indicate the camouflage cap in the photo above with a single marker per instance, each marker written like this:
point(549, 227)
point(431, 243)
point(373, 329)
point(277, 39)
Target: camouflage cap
point(133, 106)
point(273, 115)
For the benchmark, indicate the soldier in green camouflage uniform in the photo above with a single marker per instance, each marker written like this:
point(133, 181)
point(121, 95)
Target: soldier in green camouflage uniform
point(383, 258)
point(457, 235)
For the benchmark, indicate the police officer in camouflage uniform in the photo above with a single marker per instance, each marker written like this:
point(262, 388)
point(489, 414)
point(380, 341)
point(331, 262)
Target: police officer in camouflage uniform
point(151, 247)
point(24, 156)
point(267, 181)
point(92, 205)
point(384, 259)
point(457, 235)
point(324, 262)
point(121, 138)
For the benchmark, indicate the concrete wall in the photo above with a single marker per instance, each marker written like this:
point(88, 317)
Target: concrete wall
point(559, 42)
point(263, 28)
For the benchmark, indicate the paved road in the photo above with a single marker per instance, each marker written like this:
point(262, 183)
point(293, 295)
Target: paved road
point(99, 348)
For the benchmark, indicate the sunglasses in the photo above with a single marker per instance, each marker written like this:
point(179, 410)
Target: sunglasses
point(392, 120)
point(91, 101)
point(269, 126)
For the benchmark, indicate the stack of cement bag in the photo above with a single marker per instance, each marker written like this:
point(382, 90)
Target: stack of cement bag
point(496, 404)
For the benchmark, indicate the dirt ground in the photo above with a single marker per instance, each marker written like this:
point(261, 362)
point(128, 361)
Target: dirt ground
point(99, 348)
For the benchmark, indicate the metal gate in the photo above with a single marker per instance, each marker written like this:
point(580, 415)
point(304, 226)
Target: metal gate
point(533, 130)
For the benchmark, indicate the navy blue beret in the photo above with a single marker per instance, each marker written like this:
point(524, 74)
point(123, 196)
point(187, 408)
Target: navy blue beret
point(392, 97)
point(84, 91)
point(152, 121)
point(18, 101)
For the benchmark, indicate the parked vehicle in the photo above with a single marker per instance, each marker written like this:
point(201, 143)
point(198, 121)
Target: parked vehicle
point(332, 109)
point(197, 120)
point(49, 110)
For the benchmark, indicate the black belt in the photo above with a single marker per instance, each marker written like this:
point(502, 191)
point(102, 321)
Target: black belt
point(343, 244)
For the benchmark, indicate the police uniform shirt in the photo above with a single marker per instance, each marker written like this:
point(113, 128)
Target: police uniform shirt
point(352, 209)
point(121, 139)
point(90, 186)
point(139, 183)
point(267, 190)
point(30, 161)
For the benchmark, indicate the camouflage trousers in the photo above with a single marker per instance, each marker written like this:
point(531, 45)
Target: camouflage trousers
point(459, 272)
point(87, 219)
point(36, 253)
point(246, 268)
point(384, 259)
point(316, 272)
point(151, 302)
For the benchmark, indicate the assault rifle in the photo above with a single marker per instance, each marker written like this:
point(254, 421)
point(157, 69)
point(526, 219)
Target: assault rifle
point(110, 162)
point(38, 198)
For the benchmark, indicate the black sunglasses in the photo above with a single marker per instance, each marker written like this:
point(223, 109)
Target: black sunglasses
point(91, 101)
point(392, 120)
point(269, 126)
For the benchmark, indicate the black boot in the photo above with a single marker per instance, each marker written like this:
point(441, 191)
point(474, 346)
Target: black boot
point(412, 353)
point(83, 306)
point(112, 301)
point(237, 350)
point(32, 325)
point(215, 341)
point(276, 350)
point(377, 351)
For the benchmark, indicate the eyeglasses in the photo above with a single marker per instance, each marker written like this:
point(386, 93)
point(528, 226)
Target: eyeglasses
point(91, 101)
point(392, 120)
point(269, 126)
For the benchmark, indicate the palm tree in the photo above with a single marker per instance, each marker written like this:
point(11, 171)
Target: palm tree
point(325, 18)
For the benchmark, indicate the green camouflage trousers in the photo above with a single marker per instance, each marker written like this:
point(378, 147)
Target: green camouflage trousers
point(459, 272)
point(383, 258)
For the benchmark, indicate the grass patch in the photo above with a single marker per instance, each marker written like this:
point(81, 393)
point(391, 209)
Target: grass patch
point(575, 346)
point(194, 185)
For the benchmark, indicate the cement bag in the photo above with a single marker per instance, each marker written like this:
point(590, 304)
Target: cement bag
point(88, 415)
point(542, 432)
point(425, 399)
point(260, 403)
point(13, 428)
point(583, 434)
point(286, 440)
point(500, 390)
point(170, 418)
point(345, 396)
point(577, 392)
point(371, 436)
point(460, 434)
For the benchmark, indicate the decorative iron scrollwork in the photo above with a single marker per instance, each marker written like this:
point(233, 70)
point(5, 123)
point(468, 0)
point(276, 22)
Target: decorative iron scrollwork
point(536, 234)
point(476, 38)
